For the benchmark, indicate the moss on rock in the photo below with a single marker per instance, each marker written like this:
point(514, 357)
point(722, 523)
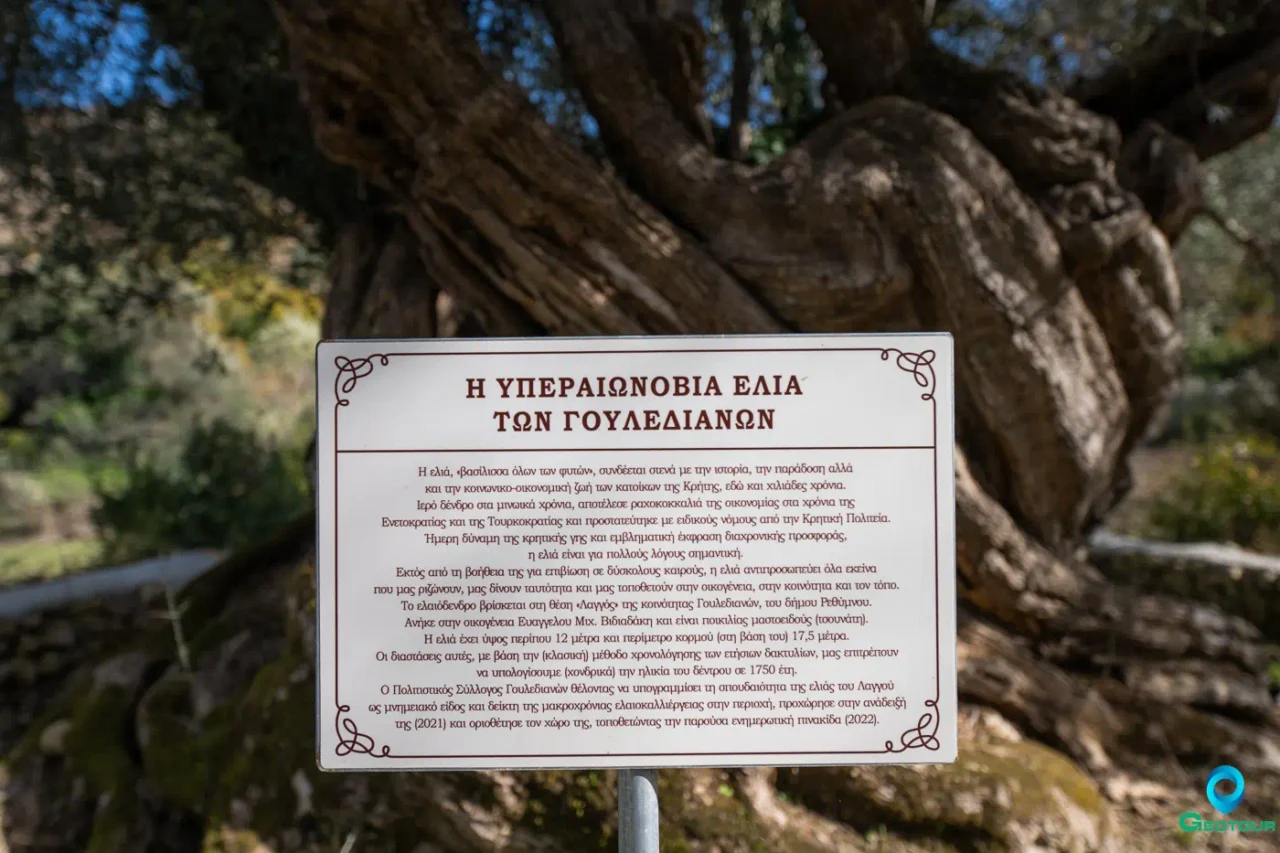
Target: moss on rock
point(1008, 796)
point(266, 787)
point(702, 813)
point(273, 742)
point(181, 737)
point(113, 830)
point(577, 806)
point(101, 732)
point(95, 759)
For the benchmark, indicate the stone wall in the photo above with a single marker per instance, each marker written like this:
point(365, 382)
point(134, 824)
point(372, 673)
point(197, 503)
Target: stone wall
point(1240, 582)
point(40, 651)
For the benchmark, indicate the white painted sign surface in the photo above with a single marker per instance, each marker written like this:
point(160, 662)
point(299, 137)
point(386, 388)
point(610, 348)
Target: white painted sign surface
point(636, 552)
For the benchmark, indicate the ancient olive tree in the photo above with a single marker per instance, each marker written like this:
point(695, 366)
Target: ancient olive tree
point(928, 192)
point(1032, 225)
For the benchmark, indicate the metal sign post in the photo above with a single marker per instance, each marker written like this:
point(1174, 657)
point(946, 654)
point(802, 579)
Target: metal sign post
point(637, 811)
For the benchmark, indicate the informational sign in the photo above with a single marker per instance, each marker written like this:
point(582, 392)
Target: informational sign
point(636, 552)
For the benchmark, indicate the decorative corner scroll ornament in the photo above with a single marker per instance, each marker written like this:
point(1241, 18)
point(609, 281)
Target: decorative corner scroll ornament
point(351, 739)
point(919, 365)
point(923, 734)
point(351, 371)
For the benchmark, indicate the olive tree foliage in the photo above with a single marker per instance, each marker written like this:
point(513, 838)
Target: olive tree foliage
point(111, 176)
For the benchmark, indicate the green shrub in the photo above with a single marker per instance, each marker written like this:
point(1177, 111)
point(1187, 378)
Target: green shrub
point(229, 488)
point(1231, 493)
point(36, 560)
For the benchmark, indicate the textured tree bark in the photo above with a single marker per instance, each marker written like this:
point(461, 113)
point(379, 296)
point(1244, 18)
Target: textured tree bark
point(879, 43)
point(395, 276)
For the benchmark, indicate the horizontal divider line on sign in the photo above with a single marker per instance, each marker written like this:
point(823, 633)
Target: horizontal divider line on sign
point(656, 754)
point(625, 449)
point(703, 351)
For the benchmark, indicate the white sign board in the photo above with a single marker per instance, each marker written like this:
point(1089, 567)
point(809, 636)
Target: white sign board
point(636, 552)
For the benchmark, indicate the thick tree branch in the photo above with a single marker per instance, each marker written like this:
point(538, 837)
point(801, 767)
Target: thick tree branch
point(1231, 107)
point(824, 235)
point(674, 45)
point(868, 46)
point(400, 91)
point(803, 258)
point(1163, 170)
point(1214, 91)
point(1060, 154)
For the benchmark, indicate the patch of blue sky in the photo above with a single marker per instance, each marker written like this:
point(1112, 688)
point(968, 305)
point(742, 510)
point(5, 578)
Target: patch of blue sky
point(95, 52)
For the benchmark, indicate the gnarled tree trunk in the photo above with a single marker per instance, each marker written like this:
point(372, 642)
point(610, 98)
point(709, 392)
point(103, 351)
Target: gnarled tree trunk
point(941, 197)
point(1033, 228)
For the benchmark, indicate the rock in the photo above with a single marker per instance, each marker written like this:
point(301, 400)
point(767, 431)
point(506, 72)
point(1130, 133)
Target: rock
point(1021, 796)
point(24, 671)
point(28, 643)
point(1126, 790)
point(302, 788)
point(121, 671)
point(60, 634)
point(53, 740)
point(176, 749)
point(52, 663)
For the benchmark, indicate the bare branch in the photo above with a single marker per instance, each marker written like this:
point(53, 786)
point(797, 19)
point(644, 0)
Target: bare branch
point(1262, 251)
point(1230, 108)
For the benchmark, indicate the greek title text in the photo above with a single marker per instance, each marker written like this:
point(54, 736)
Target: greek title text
point(627, 420)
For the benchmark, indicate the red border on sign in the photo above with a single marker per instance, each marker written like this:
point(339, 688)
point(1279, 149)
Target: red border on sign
point(918, 365)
